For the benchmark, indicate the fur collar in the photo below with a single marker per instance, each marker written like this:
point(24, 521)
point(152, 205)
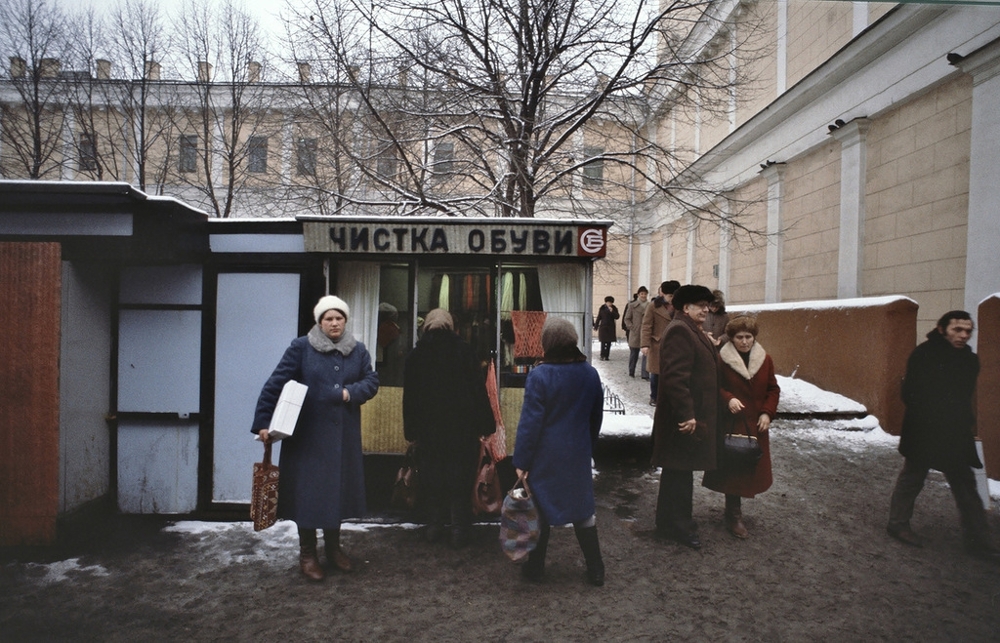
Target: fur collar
point(323, 344)
point(731, 358)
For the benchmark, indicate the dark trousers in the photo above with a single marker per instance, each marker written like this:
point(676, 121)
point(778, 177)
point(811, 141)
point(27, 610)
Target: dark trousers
point(674, 504)
point(963, 487)
point(633, 359)
point(605, 350)
point(654, 382)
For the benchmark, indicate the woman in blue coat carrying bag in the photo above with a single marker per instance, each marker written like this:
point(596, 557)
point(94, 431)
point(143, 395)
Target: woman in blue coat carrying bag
point(560, 421)
point(322, 471)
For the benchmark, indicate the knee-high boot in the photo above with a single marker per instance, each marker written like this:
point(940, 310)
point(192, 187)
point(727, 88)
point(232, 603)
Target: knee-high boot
point(587, 537)
point(534, 567)
point(308, 560)
point(334, 554)
point(734, 517)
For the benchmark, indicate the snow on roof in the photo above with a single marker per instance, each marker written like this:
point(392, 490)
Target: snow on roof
point(823, 304)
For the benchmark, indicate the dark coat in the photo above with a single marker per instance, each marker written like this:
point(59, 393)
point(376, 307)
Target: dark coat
point(939, 424)
point(715, 323)
point(688, 388)
point(756, 387)
point(322, 478)
point(445, 407)
point(655, 318)
point(560, 421)
point(605, 323)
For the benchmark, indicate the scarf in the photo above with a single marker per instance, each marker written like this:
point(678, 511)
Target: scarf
point(319, 340)
point(731, 358)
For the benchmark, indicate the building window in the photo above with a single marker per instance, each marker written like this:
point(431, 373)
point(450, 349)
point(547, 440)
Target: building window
point(88, 151)
point(188, 157)
point(257, 149)
point(305, 157)
point(593, 171)
point(444, 158)
point(387, 165)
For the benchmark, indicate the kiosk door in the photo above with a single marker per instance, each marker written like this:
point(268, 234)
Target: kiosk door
point(257, 316)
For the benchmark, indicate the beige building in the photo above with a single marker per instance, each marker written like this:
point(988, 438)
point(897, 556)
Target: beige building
point(866, 148)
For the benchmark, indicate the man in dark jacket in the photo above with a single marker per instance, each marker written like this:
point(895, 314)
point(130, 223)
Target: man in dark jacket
point(938, 431)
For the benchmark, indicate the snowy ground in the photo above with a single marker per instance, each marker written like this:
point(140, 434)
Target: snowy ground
point(818, 564)
point(797, 396)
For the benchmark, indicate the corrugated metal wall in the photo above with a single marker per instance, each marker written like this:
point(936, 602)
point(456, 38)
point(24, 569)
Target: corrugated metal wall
point(30, 285)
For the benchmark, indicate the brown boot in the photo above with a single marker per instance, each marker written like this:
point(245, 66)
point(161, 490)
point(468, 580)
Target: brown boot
point(734, 517)
point(308, 560)
point(335, 556)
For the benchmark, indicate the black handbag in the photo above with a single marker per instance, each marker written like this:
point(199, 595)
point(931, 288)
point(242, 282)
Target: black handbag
point(740, 452)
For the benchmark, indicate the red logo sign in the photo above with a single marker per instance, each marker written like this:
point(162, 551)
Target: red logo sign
point(593, 242)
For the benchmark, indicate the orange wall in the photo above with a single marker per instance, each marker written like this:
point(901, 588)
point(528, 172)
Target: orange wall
point(856, 351)
point(988, 389)
point(30, 285)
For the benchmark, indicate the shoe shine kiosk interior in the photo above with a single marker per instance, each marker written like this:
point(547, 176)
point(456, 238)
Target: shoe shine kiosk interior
point(170, 322)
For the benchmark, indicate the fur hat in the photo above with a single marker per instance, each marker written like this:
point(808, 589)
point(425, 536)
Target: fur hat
point(558, 333)
point(330, 302)
point(691, 294)
point(439, 318)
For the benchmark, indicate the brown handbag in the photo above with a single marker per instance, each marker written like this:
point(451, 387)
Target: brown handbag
point(264, 497)
point(404, 490)
point(487, 497)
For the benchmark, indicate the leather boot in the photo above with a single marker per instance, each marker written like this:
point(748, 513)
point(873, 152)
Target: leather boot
point(534, 568)
point(587, 537)
point(308, 560)
point(335, 556)
point(734, 517)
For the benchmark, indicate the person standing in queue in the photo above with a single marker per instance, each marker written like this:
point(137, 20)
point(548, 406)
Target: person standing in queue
point(685, 424)
point(445, 411)
point(559, 425)
point(322, 480)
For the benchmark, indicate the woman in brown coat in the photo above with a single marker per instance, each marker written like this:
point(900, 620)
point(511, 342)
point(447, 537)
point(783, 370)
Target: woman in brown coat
point(749, 392)
point(684, 426)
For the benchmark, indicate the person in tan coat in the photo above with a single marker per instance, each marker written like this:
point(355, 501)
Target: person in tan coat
point(657, 315)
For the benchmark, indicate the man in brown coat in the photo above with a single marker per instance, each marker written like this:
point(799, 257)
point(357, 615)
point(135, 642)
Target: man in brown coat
point(657, 315)
point(684, 426)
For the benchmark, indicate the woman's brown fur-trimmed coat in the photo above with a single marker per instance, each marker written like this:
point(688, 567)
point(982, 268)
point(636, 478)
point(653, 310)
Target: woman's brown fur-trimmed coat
point(756, 387)
point(688, 388)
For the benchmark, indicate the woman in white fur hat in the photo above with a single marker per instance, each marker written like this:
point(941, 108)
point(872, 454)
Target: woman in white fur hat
point(322, 472)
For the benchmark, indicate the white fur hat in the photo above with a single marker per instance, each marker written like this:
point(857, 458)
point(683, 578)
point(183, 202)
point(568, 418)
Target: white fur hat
point(330, 302)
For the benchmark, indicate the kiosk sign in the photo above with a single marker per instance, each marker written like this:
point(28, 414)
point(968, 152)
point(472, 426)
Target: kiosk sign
point(473, 237)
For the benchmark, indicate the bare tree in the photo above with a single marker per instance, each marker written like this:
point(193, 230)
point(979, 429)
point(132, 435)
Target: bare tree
point(223, 46)
point(528, 107)
point(144, 104)
point(33, 37)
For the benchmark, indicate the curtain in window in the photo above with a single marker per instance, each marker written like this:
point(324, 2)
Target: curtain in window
point(358, 284)
point(564, 291)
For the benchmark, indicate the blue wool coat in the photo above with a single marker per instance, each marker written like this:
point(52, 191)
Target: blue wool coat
point(322, 478)
point(560, 420)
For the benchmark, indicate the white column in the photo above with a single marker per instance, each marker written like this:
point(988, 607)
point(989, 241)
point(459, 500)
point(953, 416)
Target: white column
point(859, 18)
point(853, 167)
point(774, 174)
point(645, 255)
point(725, 235)
point(982, 261)
point(781, 55)
point(692, 232)
point(287, 148)
point(70, 158)
point(664, 258)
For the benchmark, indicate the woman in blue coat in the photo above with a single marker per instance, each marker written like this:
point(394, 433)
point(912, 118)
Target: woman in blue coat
point(322, 472)
point(560, 421)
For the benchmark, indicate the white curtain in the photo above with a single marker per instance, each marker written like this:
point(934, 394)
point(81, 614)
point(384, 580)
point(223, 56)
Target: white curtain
point(358, 285)
point(564, 293)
